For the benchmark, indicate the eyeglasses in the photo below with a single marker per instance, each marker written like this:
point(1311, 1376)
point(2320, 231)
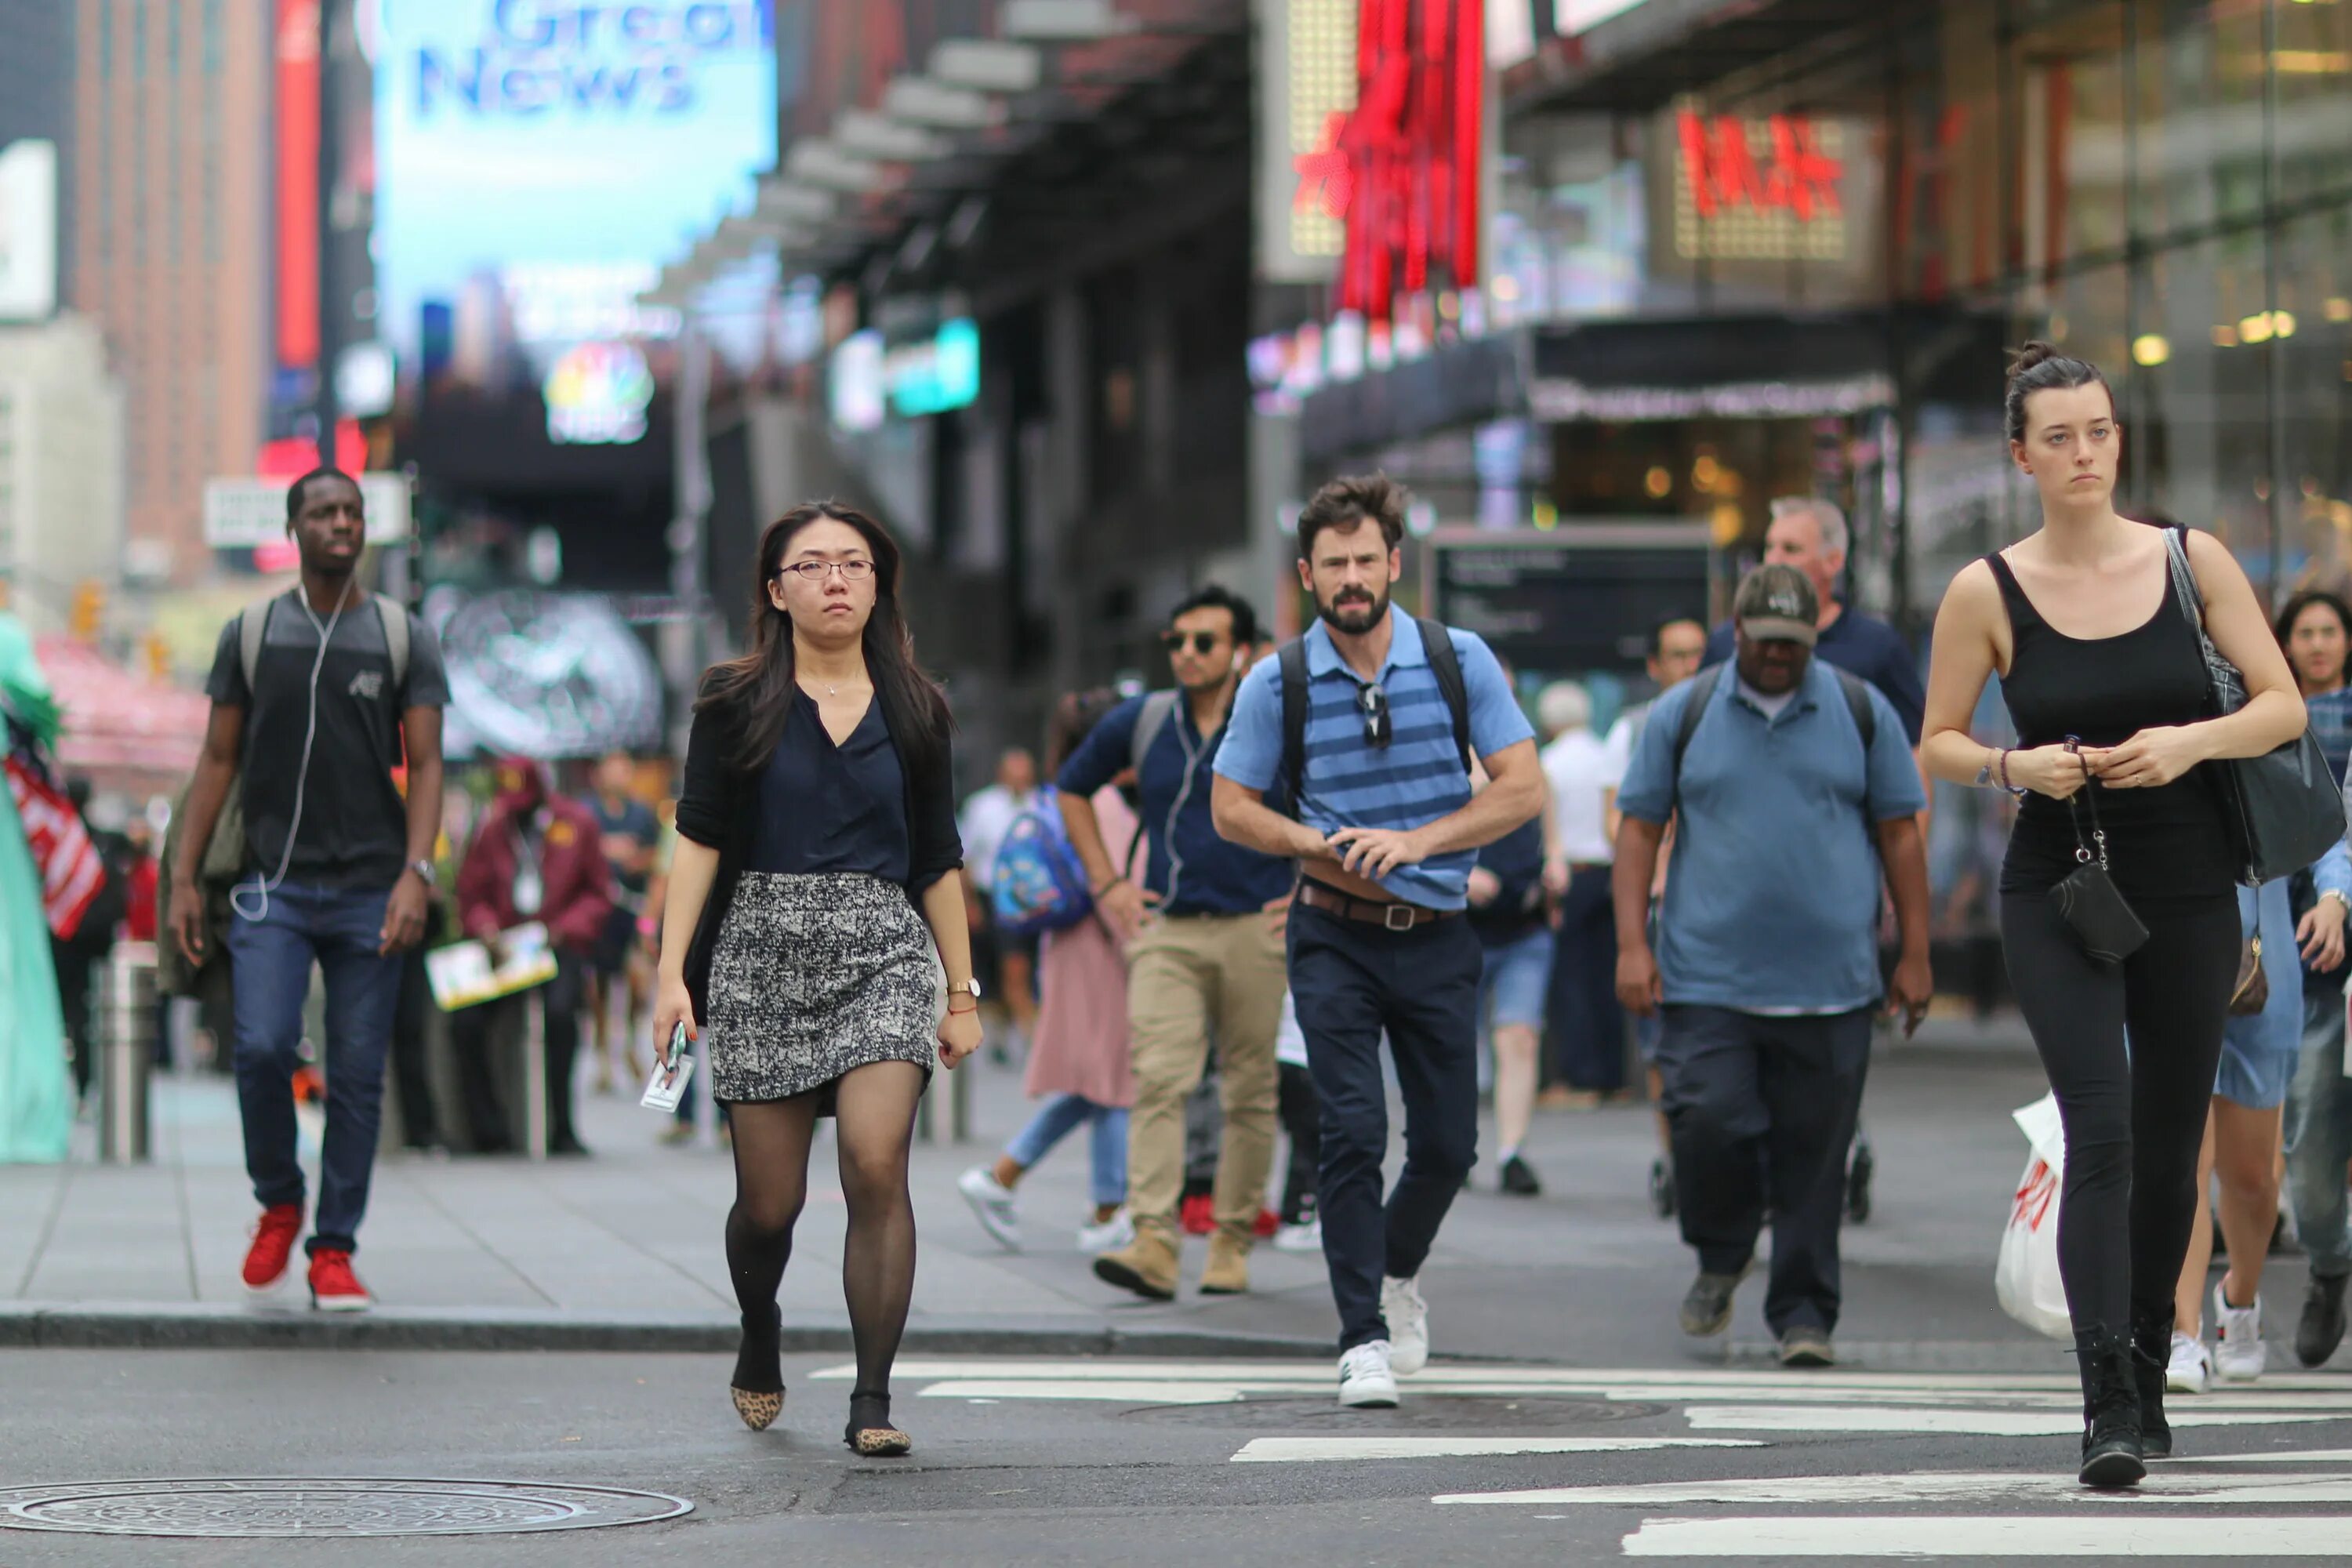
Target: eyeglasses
point(815, 571)
point(1377, 730)
point(1203, 642)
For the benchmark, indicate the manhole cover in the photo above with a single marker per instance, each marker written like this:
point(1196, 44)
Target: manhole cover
point(1418, 1413)
point(314, 1507)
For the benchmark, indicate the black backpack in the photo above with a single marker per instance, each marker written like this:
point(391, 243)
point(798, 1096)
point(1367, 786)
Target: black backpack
point(1703, 685)
point(1444, 664)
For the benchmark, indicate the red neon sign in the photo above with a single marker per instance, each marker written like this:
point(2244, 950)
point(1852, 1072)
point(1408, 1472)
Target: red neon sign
point(298, 183)
point(1724, 174)
point(1402, 169)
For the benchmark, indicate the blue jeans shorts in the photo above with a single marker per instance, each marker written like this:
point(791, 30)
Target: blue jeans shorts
point(1518, 980)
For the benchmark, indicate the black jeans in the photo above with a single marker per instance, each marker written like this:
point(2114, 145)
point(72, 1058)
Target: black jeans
point(1759, 1107)
point(2134, 1122)
point(1351, 980)
point(1302, 1124)
point(469, 1035)
point(419, 1125)
point(1588, 1024)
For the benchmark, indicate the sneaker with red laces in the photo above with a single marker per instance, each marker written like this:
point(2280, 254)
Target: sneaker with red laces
point(273, 1245)
point(333, 1286)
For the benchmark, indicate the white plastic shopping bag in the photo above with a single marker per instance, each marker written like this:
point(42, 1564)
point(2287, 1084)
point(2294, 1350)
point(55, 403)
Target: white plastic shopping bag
point(2026, 1278)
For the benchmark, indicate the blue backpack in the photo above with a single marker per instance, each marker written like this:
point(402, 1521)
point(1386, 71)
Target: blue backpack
point(1039, 884)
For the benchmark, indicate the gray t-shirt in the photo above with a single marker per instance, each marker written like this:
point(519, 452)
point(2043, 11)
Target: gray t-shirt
point(354, 828)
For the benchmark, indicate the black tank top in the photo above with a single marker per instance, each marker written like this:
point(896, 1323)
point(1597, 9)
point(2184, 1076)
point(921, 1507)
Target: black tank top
point(2164, 842)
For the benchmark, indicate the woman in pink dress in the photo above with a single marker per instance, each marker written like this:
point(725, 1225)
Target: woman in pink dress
point(1079, 1059)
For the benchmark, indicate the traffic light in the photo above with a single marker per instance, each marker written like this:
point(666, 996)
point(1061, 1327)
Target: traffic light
point(89, 609)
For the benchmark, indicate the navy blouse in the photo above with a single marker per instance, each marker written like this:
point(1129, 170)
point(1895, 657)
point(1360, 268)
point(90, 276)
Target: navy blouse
point(824, 808)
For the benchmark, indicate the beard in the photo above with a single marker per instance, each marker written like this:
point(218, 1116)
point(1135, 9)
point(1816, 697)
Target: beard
point(1355, 615)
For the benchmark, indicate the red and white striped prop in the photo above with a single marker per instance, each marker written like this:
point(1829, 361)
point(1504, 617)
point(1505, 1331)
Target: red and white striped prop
point(72, 873)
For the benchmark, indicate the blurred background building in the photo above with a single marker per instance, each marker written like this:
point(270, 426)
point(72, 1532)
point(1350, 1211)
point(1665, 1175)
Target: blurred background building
point(1082, 297)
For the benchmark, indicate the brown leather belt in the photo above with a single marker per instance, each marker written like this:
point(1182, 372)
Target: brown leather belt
point(1392, 915)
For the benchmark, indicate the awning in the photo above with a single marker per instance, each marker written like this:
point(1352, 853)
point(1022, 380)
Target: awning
point(117, 721)
point(1643, 58)
point(1735, 367)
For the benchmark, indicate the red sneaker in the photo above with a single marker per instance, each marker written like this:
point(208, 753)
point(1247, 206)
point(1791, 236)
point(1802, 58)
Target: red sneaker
point(273, 1244)
point(1268, 1222)
point(1198, 1214)
point(333, 1286)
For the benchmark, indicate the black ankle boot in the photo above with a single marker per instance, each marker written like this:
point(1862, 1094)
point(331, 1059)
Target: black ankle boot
point(2151, 1359)
point(2111, 1434)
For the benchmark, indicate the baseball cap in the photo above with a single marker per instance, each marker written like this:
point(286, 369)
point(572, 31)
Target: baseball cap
point(1777, 604)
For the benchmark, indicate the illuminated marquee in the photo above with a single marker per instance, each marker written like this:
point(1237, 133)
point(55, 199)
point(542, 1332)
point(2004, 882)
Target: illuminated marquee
point(536, 57)
point(1759, 190)
point(1401, 168)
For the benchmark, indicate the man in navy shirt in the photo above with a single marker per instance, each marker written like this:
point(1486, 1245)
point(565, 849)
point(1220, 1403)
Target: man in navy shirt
point(1203, 924)
point(1810, 534)
point(1385, 828)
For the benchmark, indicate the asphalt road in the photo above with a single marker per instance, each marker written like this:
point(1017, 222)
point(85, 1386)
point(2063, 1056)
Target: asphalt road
point(1184, 1463)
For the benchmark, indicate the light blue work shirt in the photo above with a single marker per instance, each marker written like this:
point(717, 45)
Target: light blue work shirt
point(1772, 894)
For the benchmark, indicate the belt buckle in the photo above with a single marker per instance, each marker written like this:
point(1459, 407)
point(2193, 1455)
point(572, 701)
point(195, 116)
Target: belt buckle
point(1389, 917)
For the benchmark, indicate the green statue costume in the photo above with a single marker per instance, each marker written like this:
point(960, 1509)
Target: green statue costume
point(36, 1105)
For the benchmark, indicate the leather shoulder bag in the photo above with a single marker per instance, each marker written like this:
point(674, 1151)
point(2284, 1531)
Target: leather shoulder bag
point(2281, 809)
point(2087, 896)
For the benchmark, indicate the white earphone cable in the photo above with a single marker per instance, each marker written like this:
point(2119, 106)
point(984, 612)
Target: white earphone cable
point(264, 885)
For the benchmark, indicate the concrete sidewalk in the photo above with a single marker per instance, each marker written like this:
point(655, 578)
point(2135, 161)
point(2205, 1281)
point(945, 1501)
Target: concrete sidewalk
point(623, 1249)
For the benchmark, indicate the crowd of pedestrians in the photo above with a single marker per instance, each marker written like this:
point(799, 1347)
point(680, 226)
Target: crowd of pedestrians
point(1313, 876)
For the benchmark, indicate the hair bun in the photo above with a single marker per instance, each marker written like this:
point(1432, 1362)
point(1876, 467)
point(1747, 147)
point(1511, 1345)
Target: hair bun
point(2036, 352)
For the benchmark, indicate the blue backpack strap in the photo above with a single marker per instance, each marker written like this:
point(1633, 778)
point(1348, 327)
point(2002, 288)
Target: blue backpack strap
point(1446, 664)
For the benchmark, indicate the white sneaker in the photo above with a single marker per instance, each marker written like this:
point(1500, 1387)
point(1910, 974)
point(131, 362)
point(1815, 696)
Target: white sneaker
point(992, 1203)
point(1365, 1380)
point(2238, 1352)
point(1108, 1236)
point(1408, 1319)
point(1306, 1237)
point(2192, 1365)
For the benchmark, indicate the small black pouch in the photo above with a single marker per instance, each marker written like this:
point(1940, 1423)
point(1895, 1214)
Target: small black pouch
point(2088, 898)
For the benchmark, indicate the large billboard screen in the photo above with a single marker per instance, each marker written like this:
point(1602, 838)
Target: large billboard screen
point(540, 144)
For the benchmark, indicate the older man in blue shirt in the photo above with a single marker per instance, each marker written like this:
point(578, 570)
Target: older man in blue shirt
point(1793, 789)
point(1366, 727)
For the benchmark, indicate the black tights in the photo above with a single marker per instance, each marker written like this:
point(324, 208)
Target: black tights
point(874, 1125)
point(2134, 1123)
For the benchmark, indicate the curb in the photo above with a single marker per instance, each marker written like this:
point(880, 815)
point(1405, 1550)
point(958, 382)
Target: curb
point(232, 1327)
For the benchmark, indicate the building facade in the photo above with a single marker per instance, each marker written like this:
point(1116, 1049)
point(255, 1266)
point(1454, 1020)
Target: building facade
point(61, 470)
point(172, 230)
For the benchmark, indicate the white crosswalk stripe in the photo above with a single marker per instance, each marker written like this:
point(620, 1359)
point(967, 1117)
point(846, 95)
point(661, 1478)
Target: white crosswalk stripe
point(1980, 1537)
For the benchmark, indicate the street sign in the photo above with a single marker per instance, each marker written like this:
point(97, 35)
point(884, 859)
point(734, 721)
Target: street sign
point(240, 514)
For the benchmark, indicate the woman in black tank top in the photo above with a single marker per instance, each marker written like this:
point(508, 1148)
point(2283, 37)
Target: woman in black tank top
point(2100, 665)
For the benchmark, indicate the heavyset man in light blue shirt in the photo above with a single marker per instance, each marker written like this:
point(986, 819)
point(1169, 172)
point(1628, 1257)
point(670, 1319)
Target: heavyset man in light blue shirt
point(1792, 795)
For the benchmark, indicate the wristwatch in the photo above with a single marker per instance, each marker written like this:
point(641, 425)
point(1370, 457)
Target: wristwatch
point(424, 872)
point(969, 988)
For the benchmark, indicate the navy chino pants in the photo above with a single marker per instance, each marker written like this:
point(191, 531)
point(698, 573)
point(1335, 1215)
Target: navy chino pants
point(1350, 982)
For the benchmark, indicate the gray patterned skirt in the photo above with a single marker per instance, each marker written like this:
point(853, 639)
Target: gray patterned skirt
point(813, 975)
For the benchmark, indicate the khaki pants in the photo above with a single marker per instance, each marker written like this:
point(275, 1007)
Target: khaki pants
point(1187, 980)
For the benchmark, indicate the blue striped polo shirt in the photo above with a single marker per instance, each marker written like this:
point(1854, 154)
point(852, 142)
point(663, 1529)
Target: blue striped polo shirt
point(1416, 779)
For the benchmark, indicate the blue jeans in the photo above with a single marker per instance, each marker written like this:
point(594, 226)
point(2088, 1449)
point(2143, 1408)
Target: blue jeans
point(269, 971)
point(1057, 1120)
point(2319, 1137)
point(1352, 982)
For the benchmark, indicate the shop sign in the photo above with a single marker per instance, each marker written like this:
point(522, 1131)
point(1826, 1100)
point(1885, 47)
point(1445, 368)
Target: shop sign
point(1759, 190)
point(936, 373)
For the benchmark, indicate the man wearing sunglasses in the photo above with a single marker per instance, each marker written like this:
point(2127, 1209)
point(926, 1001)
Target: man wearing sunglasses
point(1202, 921)
point(1358, 731)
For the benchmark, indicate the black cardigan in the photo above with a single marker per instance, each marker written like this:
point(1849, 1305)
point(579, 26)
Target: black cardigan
point(717, 807)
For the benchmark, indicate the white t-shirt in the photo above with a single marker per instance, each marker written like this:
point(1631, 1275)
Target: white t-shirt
point(986, 816)
point(1580, 767)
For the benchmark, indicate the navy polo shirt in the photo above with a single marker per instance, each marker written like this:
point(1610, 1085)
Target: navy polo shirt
point(1192, 869)
point(1860, 646)
point(1772, 896)
point(1416, 779)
